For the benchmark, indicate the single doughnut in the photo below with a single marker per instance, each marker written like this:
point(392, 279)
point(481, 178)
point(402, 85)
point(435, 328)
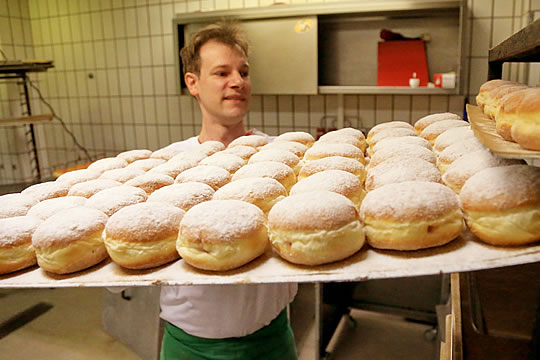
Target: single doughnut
point(431, 132)
point(214, 176)
point(457, 150)
point(322, 150)
point(502, 204)
point(174, 167)
point(487, 87)
point(411, 215)
point(229, 162)
point(71, 178)
point(70, 240)
point(338, 181)
point(412, 140)
point(144, 235)
point(315, 228)
point(15, 204)
point(47, 208)
point(275, 170)
point(405, 150)
point(47, 190)
point(469, 164)
point(452, 136)
point(261, 192)
point(16, 251)
point(296, 148)
point(122, 174)
point(526, 129)
point(391, 124)
point(146, 164)
point(335, 137)
point(427, 120)
point(493, 101)
point(399, 169)
point(164, 153)
point(255, 141)
point(105, 164)
point(333, 163)
point(301, 137)
point(111, 200)
point(390, 133)
point(245, 152)
point(220, 235)
point(150, 182)
point(509, 111)
point(183, 196)
point(282, 156)
point(210, 147)
point(190, 156)
point(349, 131)
point(134, 155)
point(89, 188)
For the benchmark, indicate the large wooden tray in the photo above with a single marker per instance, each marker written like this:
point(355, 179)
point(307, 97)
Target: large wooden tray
point(466, 253)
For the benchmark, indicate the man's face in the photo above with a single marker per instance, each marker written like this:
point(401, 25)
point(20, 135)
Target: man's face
point(223, 87)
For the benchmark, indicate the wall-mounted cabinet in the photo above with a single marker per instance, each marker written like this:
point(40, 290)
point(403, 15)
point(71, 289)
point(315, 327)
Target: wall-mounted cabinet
point(332, 48)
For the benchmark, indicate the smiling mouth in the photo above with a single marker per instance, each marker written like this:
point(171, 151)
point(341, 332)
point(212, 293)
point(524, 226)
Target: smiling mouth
point(234, 97)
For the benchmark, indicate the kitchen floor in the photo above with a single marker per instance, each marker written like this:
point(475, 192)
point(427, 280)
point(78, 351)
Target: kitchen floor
point(66, 324)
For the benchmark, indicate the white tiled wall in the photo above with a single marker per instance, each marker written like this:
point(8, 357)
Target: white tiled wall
point(114, 78)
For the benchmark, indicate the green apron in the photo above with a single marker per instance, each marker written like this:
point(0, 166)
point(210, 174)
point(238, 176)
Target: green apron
point(274, 341)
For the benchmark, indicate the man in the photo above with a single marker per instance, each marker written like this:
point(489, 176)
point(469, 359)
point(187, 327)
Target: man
point(223, 321)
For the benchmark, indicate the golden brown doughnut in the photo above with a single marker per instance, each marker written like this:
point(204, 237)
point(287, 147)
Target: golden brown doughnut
point(122, 174)
point(133, 155)
point(399, 169)
point(322, 150)
point(16, 251)
point(431, 132)
point(275, 170)
point(184, 195)
point(15, 204)
point(427, 120)
point(243, 151)
point(70, 240)
point(486, 88)
point(508, 112)
point(333, 163)
point(89, 188)
point(214, 176)
point(493, 100)
point(526, 129)
point(111, 200)
point(220, 235)
point(301, 137)
point(47, 190)
point(452, 136)
point(105, 164)
point(71, 178)
point(255, 141)
point(405, 150)
point(143, 236)
point(411, 215)
point(296, 148)
point(502, 204)
point(229, 162)
point(150, 182)
point(315, 228)
point(47, 208)
point(278, 155)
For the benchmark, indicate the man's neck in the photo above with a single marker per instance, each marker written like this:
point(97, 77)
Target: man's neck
point(221, 133)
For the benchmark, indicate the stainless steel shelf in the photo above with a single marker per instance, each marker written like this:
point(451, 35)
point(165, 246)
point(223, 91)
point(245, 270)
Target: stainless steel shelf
point(385, 90)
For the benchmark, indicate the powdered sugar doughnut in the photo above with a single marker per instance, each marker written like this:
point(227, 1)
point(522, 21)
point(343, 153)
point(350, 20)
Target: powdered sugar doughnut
point(111, 200)
point(261, 192)
point(210, 147)
point(133, 155)
point(296, 148)
point(411, 140)
point(502, 204)
point(145, 164)
point(469, 164)
point(275, 170)
point(399, 169)
point(457, 150)
point(190, 156)
point(165, 154)
point(405, 150)
point(282, 156)
point(16, 251)
point(105, 164)
point(336, 137)
point(255, 141)
point(70, 240)
point(315, 228)
point(47, 190)
point(427, 120)
point(122, 174)
point(49, 207)
point(229, 162)
point(174, 167)
point(89, 188)
point(452, 136)
point(221, 235)
point(150, 182)
point(411, 215)
point(71, 178)
point(388, 125)
point(338, 181)
point(214, 176)
point(349, 131)
point(243, 151)
point(431, 132)
point(144, 235)
point(301, 137)
point(183, 196)
point(322, 150)
point(15, 205)
point(389, 133)
point(333, 163)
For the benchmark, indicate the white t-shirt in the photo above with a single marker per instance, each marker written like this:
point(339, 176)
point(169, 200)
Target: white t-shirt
point(222, 311)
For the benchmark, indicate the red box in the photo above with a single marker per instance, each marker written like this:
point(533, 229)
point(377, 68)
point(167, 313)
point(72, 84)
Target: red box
point(398, 60)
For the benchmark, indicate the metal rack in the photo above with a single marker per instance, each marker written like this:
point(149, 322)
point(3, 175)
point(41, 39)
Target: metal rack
point(18, 70)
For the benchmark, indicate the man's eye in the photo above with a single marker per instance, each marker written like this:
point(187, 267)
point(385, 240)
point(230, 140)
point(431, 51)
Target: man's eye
point(221, 73)
point(244, 74)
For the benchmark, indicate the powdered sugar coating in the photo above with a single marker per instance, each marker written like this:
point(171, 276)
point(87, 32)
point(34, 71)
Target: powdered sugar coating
point(322, 150)
point(150, 182)
point(17, 230)
point(88, 188)
point(337, 181)
point(210, 147)
point(105, 164)
point(165, 154)
point(122, 175)
point(457, 150)
point(390, 133)
point(391, 124)
point(253, 190)
point(146, 164)
point(255, 141)
point(297, 136)
point(218, 221)
point(336, 138)
point(271, 169)
point(47, 190)
point(183, 196)
point(214, 176)
point(283, 156)
point(349, 131)
point(452, 136)
point(502, 188)
point(296, 148)
point(427, 120)
point(189, 155)
point(111, 200)
point(405, 150)
point(50, 207)
point(245, 152)
point(16, 204)
point(409, 200)
point(411, 140)
point(333, 163)
point(71, 178)
point(400, 169)
point(174, 167)
point(431, 132)
point(229, 162)
point(133, 155)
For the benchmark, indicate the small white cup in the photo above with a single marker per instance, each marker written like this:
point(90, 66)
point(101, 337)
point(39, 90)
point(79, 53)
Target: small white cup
point(414, 82)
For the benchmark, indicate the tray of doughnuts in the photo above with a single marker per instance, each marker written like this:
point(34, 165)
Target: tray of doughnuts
point(403, 200)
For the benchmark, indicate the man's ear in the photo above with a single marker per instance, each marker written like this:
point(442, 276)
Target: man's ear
point(192, 83)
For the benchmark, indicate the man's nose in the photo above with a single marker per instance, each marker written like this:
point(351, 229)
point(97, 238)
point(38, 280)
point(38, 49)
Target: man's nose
point(237, 80)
